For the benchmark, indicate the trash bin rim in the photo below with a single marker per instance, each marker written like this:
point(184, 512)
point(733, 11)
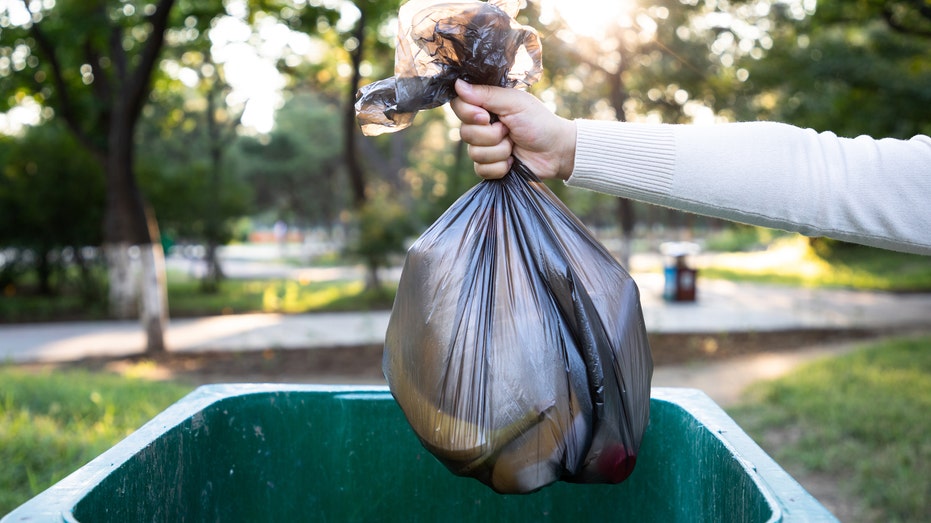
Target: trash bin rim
point(58, 501)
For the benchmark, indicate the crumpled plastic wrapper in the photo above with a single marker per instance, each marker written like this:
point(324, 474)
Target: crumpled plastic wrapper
point(440, 41)
point(516, 346)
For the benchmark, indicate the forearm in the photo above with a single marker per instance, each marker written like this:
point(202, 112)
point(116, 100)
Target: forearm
point(862, 190)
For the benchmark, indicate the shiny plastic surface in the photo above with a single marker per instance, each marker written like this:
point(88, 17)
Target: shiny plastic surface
point(440, 41)
point(516, 347)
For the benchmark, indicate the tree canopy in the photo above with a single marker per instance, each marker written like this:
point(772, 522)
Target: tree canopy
point(852, 67)
point(149, 101)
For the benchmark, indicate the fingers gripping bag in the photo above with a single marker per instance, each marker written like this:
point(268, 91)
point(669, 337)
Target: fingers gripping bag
point(516, 346)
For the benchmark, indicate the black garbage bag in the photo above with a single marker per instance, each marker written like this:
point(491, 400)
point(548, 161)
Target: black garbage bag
point(516, 347)
point(438, 42)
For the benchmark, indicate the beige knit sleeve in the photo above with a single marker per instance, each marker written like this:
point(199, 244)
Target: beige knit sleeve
point(629, 160)
point(864, 190)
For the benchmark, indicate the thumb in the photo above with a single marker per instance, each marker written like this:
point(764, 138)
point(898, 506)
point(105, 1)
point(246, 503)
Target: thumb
point(498, 100)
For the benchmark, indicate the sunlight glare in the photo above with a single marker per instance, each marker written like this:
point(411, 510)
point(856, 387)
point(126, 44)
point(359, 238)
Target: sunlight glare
point(16, 11)
point(591, 18)
point(249, 65)
point(25, 113)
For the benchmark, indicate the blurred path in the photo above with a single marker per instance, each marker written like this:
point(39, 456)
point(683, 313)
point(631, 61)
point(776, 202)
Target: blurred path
point(721, 307)
point(725, 380)
point(53, 342)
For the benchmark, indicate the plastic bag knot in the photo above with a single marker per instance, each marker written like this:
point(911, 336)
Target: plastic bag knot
point(475, 41)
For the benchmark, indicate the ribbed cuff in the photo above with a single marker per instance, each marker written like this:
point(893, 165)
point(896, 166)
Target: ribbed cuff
point(631, 160)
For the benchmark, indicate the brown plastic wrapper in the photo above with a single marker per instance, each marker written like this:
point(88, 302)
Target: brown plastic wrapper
point(438, 42)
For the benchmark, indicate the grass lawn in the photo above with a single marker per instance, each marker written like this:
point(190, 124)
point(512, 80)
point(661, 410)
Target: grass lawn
point(186, 299)
point(862, 419)
point(790, 261)
point(278, 295)
point(53, 423)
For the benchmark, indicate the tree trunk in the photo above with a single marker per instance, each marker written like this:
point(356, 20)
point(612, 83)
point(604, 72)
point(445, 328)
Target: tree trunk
point(119, 93)
point(353, 167)
point(127, 224)
point(214, 271)
point(213, 274)
point(154, 297)
point(372, 281)
point(44, 270)
point(625, 208)
point(124, 226)
point(122, 275)
point(137, 277)
point(350, 132)
point(626, 217)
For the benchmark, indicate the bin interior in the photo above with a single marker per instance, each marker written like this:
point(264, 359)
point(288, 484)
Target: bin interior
point(299, 453)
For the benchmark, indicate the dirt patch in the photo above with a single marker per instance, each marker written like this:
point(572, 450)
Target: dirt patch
point(349, 365)
point(362, 364)
point(675, 349)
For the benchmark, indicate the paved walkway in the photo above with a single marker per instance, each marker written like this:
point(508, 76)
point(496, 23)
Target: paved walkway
point(725, 380)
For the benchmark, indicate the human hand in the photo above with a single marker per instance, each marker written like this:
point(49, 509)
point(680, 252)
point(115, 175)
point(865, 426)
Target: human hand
point(526, 129)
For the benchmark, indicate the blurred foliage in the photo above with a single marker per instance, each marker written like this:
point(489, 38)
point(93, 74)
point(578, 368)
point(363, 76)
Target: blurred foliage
point(382, 226)
point(848, 66)
point(51, 207)
point(176, 176)
point(276, 295)
point(187, 299)
point(852, 67)
point(295, 171)
point(792, 260)
point(739, 237)
point(76, 296)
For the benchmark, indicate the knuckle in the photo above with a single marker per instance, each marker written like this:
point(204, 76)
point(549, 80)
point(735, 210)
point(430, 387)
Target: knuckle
point(472, 134)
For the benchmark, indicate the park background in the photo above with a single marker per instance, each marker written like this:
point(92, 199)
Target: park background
point(158, 157)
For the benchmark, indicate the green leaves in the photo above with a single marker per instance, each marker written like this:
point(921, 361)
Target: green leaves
point(852, 67)
point(51, 191)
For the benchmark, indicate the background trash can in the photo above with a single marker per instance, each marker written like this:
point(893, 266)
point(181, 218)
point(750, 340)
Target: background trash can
point(679, 278)
point(313, 453)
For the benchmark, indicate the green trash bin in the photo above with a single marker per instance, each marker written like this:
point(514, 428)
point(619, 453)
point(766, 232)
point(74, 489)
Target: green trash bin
point(323, 453)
